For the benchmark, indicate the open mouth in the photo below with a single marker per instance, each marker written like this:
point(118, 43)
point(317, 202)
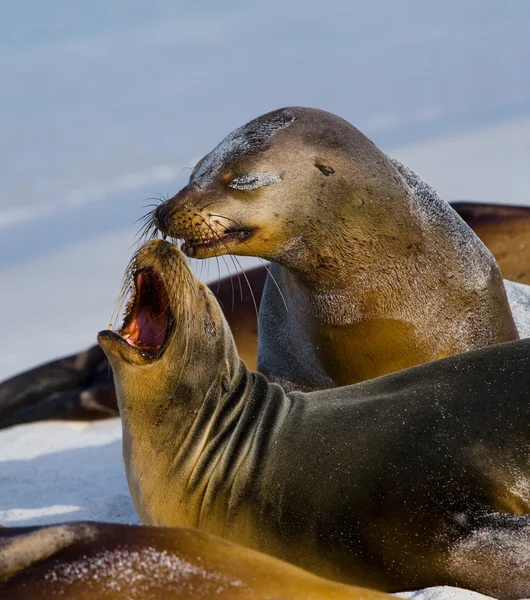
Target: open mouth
point(148, 318)
point(224, 240)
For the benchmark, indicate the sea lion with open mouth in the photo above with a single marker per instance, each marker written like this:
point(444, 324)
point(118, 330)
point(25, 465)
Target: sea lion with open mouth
point(414, 479)
point(97, 561)
point(372, 272)
point(80, 387)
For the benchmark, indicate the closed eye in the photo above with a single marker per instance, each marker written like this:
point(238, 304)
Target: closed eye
point(254, 180)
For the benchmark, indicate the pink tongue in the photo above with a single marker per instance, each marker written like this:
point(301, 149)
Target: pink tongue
point(148, 331)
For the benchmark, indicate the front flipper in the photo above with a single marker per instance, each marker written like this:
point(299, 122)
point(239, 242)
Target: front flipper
point(78, 387)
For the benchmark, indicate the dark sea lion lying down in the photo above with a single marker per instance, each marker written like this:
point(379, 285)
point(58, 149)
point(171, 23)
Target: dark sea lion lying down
point(418, 478)
point(97, 561)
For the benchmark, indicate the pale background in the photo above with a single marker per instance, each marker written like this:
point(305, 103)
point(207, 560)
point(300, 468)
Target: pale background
point(105, 104)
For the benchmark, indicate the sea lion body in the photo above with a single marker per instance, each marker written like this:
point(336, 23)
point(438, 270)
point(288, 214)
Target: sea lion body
point(505, 230)
point(89, 561)
point(393, 483)
point(374, 272)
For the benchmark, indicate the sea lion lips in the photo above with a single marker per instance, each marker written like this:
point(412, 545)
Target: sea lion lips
point(193, 247)
point(148, 314)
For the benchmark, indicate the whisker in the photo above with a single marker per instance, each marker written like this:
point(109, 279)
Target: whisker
point(263, 262)
point(216, 236)
point(234, 259)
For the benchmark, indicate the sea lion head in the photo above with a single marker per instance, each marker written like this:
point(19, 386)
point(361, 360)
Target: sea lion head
point(278, 183)
point(174, 335)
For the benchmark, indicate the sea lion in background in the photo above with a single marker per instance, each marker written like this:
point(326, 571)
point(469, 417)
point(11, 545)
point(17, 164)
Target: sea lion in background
point(506, 232)
point(80, 387)
point(372, 272)
point(96, 561)
point(410, 480)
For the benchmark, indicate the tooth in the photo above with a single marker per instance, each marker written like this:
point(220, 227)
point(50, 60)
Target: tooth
point(126, 336)
point(110, 326)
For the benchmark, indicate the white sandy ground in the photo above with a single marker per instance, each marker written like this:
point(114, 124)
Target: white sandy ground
point(59, 471)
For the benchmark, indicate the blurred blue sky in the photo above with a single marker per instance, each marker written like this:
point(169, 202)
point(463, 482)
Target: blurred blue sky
point(107, 103)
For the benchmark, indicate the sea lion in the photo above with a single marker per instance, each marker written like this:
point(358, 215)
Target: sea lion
point(77, 387)
point(89, 561)
point(414, 479)
point(372, 271)
point(506, 232)
point(80, 386)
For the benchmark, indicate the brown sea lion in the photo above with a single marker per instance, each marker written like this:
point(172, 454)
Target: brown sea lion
point(96, 561)
point(372, 271)
point(506, 232)
point(410, 480)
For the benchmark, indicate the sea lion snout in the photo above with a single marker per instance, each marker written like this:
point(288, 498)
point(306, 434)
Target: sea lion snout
point(161, 216)
point(154, 282)
point(186, 199)
point(158, 329)
point(194, 214)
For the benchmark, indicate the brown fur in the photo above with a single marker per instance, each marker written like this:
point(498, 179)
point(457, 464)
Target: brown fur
point(89, 561)
point(385, 484)
point(506, 232)
point(359, 256)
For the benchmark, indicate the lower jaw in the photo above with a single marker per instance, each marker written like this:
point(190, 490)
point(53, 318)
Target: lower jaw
point(228, 246)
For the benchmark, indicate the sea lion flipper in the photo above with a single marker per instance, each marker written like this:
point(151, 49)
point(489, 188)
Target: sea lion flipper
point(20, 550)
point(505, 230)
point(58, 390)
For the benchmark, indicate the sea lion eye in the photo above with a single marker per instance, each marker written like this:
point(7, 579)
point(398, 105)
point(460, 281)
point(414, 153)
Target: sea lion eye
point(325, 170)
point(254, 180)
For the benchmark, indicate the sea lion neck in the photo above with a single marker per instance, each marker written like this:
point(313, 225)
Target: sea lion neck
point(189, 373)
point(193, 444)
point(364, 298)
point(400, 237)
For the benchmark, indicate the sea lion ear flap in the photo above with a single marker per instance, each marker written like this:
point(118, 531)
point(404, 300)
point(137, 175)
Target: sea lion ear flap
point(324, 168)
point(19, 551)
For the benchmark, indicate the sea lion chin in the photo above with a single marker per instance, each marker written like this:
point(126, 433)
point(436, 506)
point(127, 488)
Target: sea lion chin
point(406, 481)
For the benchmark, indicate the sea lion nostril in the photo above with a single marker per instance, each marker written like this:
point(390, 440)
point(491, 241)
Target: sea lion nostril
point(161, 216)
